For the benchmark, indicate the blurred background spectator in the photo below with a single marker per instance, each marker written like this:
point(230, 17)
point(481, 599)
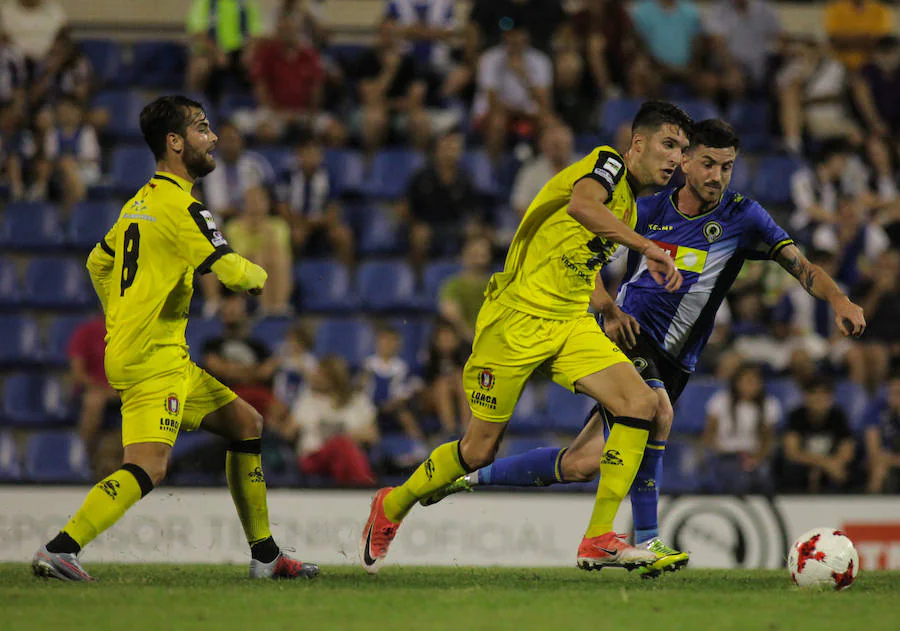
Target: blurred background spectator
point(462, 294)
point(882, 439)
point(555, 155)
point(32, 26)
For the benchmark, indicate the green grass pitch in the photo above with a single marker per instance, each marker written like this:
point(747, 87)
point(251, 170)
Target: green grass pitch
point(221, 598)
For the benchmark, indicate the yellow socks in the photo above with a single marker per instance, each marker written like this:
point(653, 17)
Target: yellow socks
point(107, 502)
point(243, 469)
point(620, 464)
point(442, 467)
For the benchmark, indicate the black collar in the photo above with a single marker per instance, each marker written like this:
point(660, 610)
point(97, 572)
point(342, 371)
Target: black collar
point(157, 176)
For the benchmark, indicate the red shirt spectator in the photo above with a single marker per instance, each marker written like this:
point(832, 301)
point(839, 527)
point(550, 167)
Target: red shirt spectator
point(88, 346)
point(288, 75)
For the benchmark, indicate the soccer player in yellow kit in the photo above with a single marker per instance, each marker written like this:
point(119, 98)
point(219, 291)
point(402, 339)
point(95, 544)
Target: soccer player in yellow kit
point(535, 315)
point(143, 272)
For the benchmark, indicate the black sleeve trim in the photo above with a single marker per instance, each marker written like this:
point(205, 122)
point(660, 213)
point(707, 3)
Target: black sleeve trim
point(206, 266)
point(596, 178)
point(103, 246)
point(609, 169)
point(778, 247)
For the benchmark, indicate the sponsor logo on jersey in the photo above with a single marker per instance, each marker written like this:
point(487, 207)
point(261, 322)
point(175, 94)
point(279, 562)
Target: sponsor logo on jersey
point(613, 166)
point(218, 239)
point(686, 259)
point(658, 228)
point(208, 218)
point(713, 231)
point(483, 400)
point(172, 403)
point(486, 379)
point(603, 173)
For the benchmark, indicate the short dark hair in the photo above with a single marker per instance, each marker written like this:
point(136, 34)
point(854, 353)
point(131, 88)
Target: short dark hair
point(831, 147)
point(386, 329)
point(655, 114)
point(166, 115)
point(819, 382)
point(887, 43)
point(716, 134)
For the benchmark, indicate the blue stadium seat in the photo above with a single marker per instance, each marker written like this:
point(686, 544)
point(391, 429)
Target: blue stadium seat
point(55, 457)
point(19, 341)
point(323, 286)
point(482, 172)
point(751, 121)
point(90, 222)
point(528, 417)
point(387, 286)
point(124, 108)
point(234, 101)
point(10, 468)
point(398, 448)
point(271, 331)
point(741, 177)
point(379, 232)
point(617, 112)
point(414, 345)
point(346, 170)
point(586, 143)
point(436, 274)
point(30, 226)
point(35, 401)
point(690, 411)
point(520, 444)
point(390, 173)
point(786, 392)
point(10, 293)
point(105, 58)
point(57, 283)
point(566, 411)
point(131, 167)
point(853, 400)
point(772, 183)
point(681, 471)
point(698, 109)
point(349, 338)
point(279, 158)
point(159, 64)
point(198, 332)
point(60, 332)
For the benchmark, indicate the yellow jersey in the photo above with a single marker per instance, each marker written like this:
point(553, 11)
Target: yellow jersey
point(553, 260)
point(163, 234)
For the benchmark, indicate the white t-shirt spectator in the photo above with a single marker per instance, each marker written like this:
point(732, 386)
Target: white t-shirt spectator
point(531, 179)
point(738, 426)
point(807, 190)
point(226, 185)
point(305, 195)
point(749, 34)
point(32, 30)
point(495, 74)
point(436, 14)
point(319, 419)
point(12, 72)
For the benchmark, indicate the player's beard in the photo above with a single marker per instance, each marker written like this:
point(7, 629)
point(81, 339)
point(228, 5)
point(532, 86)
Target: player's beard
point(198, 163)
point(708, 198)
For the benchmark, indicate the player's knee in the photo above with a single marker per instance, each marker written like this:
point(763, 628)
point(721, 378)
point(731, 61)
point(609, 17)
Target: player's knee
point(250, 424)
point(580, 466)
point(642, 404)
point(662, 422)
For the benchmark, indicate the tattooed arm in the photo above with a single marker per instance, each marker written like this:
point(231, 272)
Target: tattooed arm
point(847, 315)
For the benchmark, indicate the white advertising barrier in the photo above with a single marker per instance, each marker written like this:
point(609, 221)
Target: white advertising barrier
point(515, 529)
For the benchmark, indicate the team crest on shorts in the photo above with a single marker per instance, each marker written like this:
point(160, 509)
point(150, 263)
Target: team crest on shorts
point(172, 404)
point(640, 364)
point(486, 379)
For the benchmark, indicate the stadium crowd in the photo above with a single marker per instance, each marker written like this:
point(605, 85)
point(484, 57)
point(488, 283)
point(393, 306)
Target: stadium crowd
point(379, 185)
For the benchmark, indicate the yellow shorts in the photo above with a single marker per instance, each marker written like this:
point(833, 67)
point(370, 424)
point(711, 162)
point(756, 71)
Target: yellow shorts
point(153, 411)
point(510, 345)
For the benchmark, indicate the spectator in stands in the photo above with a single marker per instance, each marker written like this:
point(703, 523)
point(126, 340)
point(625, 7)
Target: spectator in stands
point(882, 438)
point(740, 433)
point(237, 171)
point(72, 153)
point(440, 201)
point(296, 362)
point(32, 26)
point(17, 148)
point(443, 394)
point(605, 36)
point(879, 86)
point(669, 29)
point(390, 386)
point(307, 201)
point(462, 294)
point(491, 19)
point(332, 425)
point(813, 89)
point(429, 25)
point(13, 75)
point(818, 444)
point(514, 89)
point(265, 240)
point(853, 27)
point(752, 338)
point(243, 363)
point(223, 36)
point(748, 32)
point(65, 72)
point(102, 440)
point(309, 16)
point(392, 93)
point(575, 96)
point(879, 296)
point(556, 154)
point(856, 242)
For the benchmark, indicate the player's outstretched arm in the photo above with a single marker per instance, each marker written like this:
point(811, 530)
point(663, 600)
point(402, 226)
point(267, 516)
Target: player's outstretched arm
point(848, 316)
point(239, 274)
point(588, 207)
point(99, 266)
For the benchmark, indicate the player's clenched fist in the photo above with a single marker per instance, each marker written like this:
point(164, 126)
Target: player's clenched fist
point(256, 277)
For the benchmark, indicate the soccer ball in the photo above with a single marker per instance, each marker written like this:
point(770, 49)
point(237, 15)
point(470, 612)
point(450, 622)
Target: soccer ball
point(823, 558)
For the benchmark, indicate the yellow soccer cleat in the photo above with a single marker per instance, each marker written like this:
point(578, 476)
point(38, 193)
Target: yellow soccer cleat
point(667, 559)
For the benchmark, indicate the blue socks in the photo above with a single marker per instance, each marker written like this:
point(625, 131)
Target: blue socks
point(538, 467)
point(645, 492)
